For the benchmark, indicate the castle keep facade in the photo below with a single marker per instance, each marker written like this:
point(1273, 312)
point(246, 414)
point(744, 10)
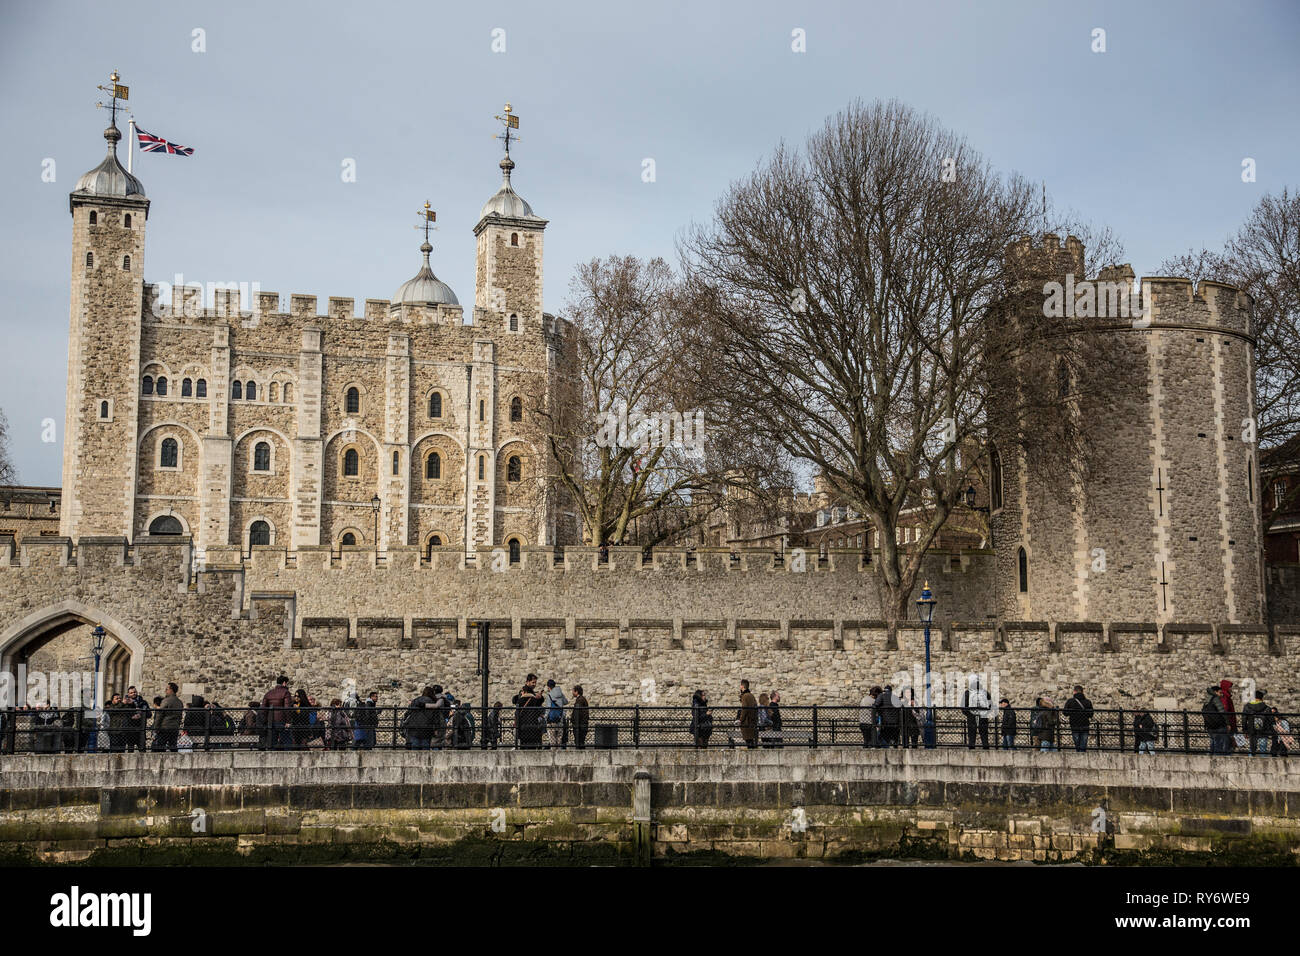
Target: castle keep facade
point(250, 489)
point(256, 426)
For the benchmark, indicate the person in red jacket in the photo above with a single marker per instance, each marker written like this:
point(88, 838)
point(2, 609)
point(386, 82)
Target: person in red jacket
point(1225, 695)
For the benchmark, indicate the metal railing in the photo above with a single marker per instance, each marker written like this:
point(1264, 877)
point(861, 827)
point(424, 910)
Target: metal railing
point(73, 730)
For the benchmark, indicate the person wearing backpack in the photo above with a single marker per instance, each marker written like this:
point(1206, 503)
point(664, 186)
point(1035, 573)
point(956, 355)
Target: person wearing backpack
point(1257, 722)
point(555, 704)
point(1216, 721)
point(1042, 724)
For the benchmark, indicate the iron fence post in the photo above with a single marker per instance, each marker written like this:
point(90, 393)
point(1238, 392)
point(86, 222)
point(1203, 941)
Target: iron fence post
point(207, 728)
point(636, 726)
point(1121, 729)
point(814, 727)
point(1187, 734)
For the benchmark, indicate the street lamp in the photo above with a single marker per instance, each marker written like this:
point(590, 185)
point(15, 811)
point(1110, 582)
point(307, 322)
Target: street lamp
point(374, 506)
point(970, 503)
point(97, 637)
point(925, 609)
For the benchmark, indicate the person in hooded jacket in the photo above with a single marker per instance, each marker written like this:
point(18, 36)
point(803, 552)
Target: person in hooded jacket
point(1144, 732)
point(418, 721)
point(1007, 724)
point(1225, 698)
point(1216, 721)
point(1042, 724)
point(887, 710)
point(1257, 722)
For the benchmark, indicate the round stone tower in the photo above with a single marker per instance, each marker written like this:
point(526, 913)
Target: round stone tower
point(1160, 522)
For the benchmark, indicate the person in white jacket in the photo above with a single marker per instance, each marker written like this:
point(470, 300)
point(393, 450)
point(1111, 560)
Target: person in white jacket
point(977, 705)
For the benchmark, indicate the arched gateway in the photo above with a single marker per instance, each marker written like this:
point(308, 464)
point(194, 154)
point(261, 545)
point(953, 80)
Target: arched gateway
point(121, 664)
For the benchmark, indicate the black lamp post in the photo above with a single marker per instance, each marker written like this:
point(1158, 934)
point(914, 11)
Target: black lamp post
point(925, 608)
point(374, 506)
point(970, 503)
point(97, 637)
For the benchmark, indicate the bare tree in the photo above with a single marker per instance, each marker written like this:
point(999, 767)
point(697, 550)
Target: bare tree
point(8, 473)
point(629, 446)
point(855, 301)
point(1263, 259)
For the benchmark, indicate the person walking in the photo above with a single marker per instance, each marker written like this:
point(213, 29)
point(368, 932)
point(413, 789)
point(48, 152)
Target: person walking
point(367, 721)
point(1042, 724)
point(887, 713)
point(1007, 724)
point(417, 722)
point(911, 720)
point(774, 714)
point(276, 705)
point(339, 727)
point(1257, 724)
point(1216, 721)
point(460, 727)
point(1078, 710)
point(167, 725)
point(867, 717)
point(764, 720)
point(528, 708)
point(492, 726)
point(1225, 698)
point(701, 719)
point(747, 716)
point(581, 719)
point(137, 721)
point(555, 704)
point(976, 705)
point(1144, 732)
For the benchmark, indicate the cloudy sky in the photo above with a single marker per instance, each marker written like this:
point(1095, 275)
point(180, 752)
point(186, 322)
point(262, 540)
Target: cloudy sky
point(1147, 137)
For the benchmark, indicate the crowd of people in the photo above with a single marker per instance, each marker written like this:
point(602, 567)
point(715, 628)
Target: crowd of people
point(545, 717)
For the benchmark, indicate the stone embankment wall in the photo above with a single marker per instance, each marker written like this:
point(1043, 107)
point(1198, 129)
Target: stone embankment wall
point(835, 805)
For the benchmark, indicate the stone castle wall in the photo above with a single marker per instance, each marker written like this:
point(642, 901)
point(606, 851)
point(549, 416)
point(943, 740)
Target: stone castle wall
point(817, 635)
point(1170, 493)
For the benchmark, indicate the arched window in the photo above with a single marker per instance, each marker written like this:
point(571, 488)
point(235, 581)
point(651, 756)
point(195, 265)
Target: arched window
point(435, 405)
point(433, 466)
point(169, 454)
point(201, 388)
point(995, 478)
point(514, 238)
point(165, 524)
point(103, 409)
point(1023, 560)
point(516, 409)
point(514, 550)
point(396, 459)
point(351, 463)
point(250, 391)
point(513, 468)
point(126, 263)
point(147, 385)
point(348, 540)
point(94, 217)
point(237, 390)
point(259, 532)
point(288, 391)
point(161, 387)
point(90, 260)
point(262, 456)
point(514, 323)
point(126, 220)
point(352, 402)
point(481, 464)
point(187, 388)
point(274, 393)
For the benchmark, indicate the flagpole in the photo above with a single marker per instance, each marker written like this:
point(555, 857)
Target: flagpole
point(130, 146)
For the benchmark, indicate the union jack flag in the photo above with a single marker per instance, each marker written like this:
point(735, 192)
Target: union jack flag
point(149, 143)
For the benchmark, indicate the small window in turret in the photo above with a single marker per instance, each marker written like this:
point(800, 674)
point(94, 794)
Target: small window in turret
point(516, 409)
point(126, 263)
point(514, 323)
point(161, 387)
point(201, 388)
point(90, 260)
point(514, 238)
point(104, 413)
point(237, 390)
point(94, 217)
point(126, 220)
point(147, 385)
point(187, 388)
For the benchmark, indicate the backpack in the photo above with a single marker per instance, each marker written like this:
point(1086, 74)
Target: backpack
point(554, 712)
point(1215, 718)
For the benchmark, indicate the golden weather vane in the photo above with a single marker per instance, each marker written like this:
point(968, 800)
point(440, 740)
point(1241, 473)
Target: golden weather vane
point(118, 92)
point(511, 121)
point(427, 218)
